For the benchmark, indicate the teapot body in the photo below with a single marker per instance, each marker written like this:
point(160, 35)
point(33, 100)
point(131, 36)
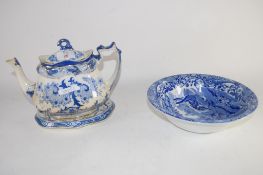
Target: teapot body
point(71, 94)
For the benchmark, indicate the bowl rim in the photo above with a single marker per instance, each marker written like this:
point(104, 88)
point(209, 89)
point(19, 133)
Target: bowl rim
point(228, 120)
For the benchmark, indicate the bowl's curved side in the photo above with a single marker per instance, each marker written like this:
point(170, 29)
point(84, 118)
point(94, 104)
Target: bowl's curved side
point(197, 127)
point(159, 99)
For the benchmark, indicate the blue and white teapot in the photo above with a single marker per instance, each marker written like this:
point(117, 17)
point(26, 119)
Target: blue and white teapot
point(70, 91)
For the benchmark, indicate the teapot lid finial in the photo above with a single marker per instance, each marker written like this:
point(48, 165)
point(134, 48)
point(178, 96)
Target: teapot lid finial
point(64, 44)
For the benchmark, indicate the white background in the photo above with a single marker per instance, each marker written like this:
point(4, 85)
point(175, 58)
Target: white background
point(158, 39)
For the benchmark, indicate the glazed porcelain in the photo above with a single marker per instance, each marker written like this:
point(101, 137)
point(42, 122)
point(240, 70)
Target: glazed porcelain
point(70, 91)
point(201, 103)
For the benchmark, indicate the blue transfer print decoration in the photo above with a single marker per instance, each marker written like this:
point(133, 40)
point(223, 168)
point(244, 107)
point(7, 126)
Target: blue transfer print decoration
point(202, 98)
point(101, 47)
point(68, 61)
point(68, 95)
point(64, 44)
point(30, 93)
point(17, 62)
point(70, 92)
point(52, 58)
point(102, 113)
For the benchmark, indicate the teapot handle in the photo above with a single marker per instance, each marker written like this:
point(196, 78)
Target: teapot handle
point(111, 52)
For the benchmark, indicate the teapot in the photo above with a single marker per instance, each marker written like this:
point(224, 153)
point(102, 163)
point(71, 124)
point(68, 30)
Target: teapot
point(70, 91)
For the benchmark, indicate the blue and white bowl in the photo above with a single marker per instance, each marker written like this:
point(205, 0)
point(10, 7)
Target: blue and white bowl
point(202, 103)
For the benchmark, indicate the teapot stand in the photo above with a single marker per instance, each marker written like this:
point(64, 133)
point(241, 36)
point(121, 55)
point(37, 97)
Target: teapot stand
point(83, 119)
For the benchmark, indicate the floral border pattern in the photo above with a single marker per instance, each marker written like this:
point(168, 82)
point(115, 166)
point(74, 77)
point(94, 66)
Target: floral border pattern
point(103, 112)
point(202, 98)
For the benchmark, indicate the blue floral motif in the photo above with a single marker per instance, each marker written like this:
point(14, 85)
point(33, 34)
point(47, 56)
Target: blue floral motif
point(86, 66)
point(103, 112)
point(53, 58)
point(83, 94)
point(202, 98)
point(68, 93)
point(68, 61)
point(78, 54)
point(69, 101)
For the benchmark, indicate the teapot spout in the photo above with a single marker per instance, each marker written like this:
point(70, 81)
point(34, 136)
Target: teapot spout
point(26, 85)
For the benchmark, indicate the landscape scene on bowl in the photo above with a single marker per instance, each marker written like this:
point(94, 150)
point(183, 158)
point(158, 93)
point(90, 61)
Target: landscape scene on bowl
point(202, 98)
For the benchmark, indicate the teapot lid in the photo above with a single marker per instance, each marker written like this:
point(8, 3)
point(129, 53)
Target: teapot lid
point(67, 61)
point(65, 56)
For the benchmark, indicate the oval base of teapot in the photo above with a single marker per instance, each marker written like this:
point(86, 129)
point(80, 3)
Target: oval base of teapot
point(76, 121)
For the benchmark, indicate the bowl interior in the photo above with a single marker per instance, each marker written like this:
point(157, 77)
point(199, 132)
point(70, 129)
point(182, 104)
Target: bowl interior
point(202, 98)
